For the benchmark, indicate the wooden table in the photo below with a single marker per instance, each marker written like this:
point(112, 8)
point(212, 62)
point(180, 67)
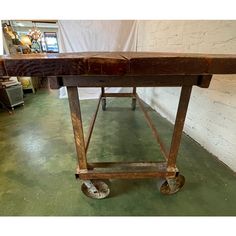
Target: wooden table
point(123, 69)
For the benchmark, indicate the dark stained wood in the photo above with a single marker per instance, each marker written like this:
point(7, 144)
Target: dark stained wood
point(102, 90)
point(65, 64)
point(118, 63)
point(130, 55)
point(107, 64)
point(222, 66)
point(152, 66)
point(178, 63)
point(55, 82)
point(130, 81)
point(47, 67)
point(204, 81)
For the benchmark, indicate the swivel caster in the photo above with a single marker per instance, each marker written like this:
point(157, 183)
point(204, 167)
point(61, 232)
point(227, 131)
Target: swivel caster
point(171, 185)
point(95, 189)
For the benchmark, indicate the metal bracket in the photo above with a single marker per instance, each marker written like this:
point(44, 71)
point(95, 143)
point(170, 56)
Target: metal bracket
point(90, 186)
point(172, 183)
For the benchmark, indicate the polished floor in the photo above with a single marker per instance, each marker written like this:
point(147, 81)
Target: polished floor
point(37, 164)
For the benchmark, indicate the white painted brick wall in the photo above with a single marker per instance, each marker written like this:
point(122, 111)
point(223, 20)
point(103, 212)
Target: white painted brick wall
point(211, 118)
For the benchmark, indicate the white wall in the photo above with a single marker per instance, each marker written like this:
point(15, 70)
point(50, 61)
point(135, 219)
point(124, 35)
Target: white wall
point(211, 118)
point(1, 39)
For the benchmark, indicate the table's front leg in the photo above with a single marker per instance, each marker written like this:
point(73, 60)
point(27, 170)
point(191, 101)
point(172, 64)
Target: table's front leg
point(76, 119)
point(92, 188)
point(175, 183)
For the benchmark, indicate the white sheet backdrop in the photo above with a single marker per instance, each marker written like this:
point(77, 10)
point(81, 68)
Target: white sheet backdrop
point(1, 39)
point(96, 35)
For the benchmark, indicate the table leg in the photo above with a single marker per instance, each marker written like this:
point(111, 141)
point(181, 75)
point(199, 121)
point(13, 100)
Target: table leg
point(74, 103)
point(133, 105)
point(102, 90)
point(178, 128)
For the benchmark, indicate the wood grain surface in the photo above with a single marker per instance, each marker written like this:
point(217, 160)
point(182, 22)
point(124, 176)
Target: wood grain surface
point(117, 63)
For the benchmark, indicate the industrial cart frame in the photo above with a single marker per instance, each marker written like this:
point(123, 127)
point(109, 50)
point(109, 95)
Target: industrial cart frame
point(166, 170)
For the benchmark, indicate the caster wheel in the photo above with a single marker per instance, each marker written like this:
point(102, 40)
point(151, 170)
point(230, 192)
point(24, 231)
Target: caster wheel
point(103, 104)
point(100, 191)
point(133, 105)
point(178, 183)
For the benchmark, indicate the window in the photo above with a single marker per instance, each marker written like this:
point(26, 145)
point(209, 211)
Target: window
point(49, 42)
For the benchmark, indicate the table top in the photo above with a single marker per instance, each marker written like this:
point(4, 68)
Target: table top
point(117, 63)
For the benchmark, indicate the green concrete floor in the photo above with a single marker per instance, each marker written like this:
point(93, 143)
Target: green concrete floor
point(37, 164)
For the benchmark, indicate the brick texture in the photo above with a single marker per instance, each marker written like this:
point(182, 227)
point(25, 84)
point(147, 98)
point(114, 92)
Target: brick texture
point(211, 118)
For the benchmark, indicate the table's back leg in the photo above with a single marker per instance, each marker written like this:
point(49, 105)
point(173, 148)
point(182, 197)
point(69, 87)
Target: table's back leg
point(74, 103)
point(102, 90)
point(103, 99)
point(178, 128)
point(133, 105)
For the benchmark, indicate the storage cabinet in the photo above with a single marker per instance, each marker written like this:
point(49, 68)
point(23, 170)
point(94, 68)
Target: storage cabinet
point(27, 83)
point(11, 96)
